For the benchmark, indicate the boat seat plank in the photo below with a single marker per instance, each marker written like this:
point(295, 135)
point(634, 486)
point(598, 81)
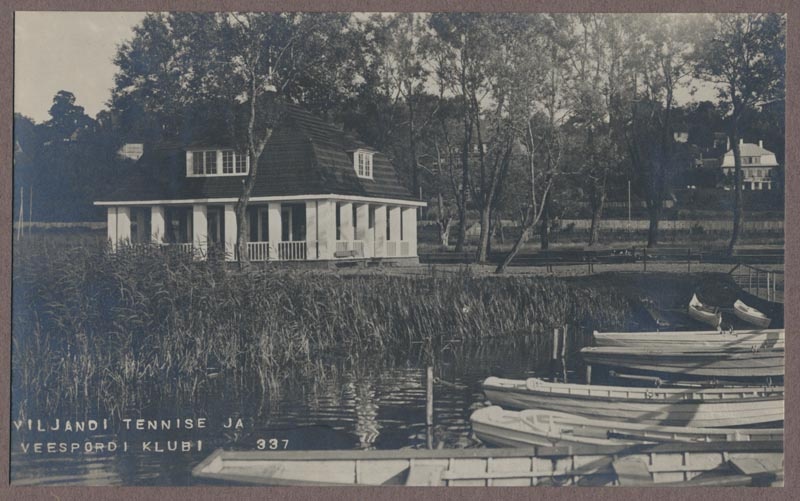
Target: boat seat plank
point(632, 472)
point(755, 466)
point(425, 475)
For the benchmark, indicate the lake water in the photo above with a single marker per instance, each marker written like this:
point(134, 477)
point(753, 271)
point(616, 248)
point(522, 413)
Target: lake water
point(368, 406)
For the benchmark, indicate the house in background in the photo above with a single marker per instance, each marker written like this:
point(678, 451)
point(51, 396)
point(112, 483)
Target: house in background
point(320, 195)
point(759, 166)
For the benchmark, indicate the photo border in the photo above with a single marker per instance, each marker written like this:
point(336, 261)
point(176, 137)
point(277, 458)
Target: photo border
point(791, 237)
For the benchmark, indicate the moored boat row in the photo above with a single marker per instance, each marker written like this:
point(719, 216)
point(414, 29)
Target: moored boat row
point(706, 407)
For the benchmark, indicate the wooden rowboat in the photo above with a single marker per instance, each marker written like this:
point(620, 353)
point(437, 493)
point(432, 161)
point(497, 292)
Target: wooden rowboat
point(663, 463)
point(710, 315)
point(698, 407)
point(710, 340)
point(690, 362)
point(750, 314)
point(503, 428)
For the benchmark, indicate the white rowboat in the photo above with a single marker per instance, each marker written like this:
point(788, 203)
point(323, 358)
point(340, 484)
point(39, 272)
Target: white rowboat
point(710, 340)
point(710, 315)
point(704, 408)
point(750, 314)
point(679, 463)
point(690, 362)
point(504, 428)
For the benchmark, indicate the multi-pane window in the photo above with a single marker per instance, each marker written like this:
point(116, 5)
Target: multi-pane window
point(363, 163)
point(227, 162)
point(217, 163)
point(211, 162)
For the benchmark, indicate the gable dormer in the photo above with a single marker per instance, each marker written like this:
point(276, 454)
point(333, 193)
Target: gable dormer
point(211, 162)
point(362, 162)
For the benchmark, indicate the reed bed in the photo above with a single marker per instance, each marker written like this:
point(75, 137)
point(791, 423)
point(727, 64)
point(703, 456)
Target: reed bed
point(95, 332)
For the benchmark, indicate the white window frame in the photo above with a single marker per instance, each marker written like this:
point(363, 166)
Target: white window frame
point(218, 156)
point(363, 164)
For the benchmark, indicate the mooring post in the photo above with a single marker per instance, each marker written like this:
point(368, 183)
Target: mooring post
point(555, 345)
point(644, 258)
point(429, 406)
point(588, 374)
point(689, 260)
point(768, 274)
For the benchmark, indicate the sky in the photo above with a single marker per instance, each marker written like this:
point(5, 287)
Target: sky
point(74, 51)
point(67, 51)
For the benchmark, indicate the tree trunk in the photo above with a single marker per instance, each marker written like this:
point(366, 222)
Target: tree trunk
point(523, 237)
point(462, 209)
point(544, 232)
point(738, 212)
point(444, 232)
point(597, 213)
point(654, 214)
point(483, 243)
point(412, 143)
point(241, 211)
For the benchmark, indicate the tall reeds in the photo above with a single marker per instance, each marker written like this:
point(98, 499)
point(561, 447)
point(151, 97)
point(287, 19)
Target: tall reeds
point(115, 333)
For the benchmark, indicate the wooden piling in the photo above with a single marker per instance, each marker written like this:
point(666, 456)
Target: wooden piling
point(588, 374)
point(644, 258)
point(689, 260)
point(555, 345)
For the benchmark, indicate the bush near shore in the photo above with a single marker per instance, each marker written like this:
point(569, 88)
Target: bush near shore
point(94, 332)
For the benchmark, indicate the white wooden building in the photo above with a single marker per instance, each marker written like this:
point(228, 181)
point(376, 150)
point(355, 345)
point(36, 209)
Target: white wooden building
point(759, 166)
point(319, 195)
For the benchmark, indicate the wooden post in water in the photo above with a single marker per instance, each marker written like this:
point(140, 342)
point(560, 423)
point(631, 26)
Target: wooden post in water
point(768, 274)
point(689, 260)
point(589, 374)
point(429, 407)
point(555, 345)
point(564, 353)
point(644, 258)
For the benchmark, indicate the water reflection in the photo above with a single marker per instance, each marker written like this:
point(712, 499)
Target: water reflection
point(366, 406)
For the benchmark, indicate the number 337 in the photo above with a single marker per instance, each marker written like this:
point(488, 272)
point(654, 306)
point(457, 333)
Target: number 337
point(271, 444)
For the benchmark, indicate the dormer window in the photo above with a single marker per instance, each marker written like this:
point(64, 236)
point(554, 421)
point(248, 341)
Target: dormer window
point(204, 163)
point(362, 160)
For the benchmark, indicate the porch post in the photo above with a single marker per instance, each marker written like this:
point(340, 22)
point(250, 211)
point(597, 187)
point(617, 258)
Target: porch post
point(380, 231)
point(123, 224)
point(395, 231)
point(311, 229)
point(199, 231)
point(274, 229)
point(362, 228)
point(231, 230)
point(326, 228)
point(346, 221)
point(157, 224)
point(111, 227)
point(410, 229)
point(138, 217)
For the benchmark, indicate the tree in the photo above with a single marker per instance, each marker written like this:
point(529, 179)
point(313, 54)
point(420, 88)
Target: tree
point(744, 57)
point(538, 105)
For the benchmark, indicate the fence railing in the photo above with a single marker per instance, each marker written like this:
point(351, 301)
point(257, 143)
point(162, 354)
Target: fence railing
point(766, 284)
point(292, 251)
point(258, 251)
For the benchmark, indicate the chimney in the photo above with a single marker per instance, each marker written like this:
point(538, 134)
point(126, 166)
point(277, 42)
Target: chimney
point(741, 141)
point(760, 143)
